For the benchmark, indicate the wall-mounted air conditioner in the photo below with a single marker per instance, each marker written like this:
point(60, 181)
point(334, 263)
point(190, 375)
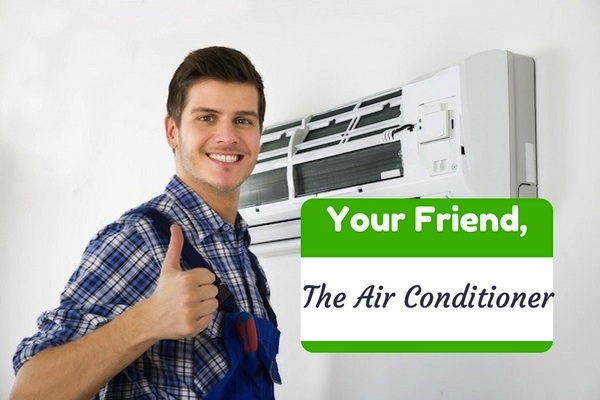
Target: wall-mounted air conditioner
point(465, 131)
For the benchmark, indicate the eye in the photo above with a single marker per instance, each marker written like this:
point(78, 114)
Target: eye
point(206, 118)
point(243, 121)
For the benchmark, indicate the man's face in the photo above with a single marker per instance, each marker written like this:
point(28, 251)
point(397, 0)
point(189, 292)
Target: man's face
point(218, 139)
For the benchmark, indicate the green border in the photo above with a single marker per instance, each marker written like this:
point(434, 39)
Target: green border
point(427, 347)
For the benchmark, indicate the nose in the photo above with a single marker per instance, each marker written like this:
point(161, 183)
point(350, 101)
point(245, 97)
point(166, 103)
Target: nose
point(226, 133)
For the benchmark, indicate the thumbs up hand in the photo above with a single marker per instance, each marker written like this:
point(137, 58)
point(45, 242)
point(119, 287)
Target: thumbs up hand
point(183, 302)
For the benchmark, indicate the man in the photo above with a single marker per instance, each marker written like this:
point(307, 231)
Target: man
point(137, 322)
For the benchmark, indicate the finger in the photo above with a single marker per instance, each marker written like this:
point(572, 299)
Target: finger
point(201, 276)
point(207, 292)
point(207, 307)
point(171, 262)
point(200, 317)
point(203, 322)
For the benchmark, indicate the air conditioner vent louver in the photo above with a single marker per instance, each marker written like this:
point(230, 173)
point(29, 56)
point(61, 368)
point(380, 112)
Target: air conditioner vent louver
point(385, 114)
point(379, 99)
point(329, 114)
point(283, 141)
point(279, 128)
point(331, 129)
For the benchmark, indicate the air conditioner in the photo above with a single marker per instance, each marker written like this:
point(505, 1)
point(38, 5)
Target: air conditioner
point(465, 131)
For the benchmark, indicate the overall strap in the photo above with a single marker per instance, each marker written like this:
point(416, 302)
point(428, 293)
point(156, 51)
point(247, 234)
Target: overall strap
point(163, 225)
point(262, 287)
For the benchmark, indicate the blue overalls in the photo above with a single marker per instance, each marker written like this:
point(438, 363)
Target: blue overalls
point(251, 342)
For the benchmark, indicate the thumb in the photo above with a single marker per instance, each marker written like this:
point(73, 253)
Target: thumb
point(171, 262)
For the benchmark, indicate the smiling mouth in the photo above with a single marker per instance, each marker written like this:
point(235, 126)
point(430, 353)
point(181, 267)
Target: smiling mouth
point(226, 158)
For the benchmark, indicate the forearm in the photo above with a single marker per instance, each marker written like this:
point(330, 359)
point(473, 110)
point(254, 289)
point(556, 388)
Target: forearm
point(79, 369)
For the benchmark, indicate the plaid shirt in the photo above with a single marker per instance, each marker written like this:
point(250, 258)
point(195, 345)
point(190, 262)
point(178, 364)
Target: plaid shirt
point(120, 267)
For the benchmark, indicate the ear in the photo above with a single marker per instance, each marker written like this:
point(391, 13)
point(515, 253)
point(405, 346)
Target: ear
point(171, 132)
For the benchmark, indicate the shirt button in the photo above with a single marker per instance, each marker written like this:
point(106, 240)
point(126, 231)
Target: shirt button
point(228, 233)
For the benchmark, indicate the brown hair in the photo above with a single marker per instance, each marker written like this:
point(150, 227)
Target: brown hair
point(220, 63)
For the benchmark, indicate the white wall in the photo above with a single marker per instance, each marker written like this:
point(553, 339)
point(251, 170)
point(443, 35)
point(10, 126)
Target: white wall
point(82, 93)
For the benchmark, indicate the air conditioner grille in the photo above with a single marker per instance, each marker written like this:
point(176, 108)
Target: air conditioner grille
point(264, 187)
point(348, 169)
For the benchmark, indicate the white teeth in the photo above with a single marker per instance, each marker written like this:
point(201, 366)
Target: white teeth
point(228, 158)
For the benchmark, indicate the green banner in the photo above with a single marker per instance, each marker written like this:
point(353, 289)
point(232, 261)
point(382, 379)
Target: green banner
point(426, 228)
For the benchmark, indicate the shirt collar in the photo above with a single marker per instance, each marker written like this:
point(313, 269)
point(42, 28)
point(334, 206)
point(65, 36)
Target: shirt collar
point(203, 217)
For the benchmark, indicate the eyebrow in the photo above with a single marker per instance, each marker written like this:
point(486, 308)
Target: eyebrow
point(212, 110)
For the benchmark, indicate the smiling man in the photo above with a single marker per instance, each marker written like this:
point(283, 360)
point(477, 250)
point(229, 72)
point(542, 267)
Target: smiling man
point(168, 302)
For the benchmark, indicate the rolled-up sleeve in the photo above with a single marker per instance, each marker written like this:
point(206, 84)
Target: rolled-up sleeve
point(117, 270)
